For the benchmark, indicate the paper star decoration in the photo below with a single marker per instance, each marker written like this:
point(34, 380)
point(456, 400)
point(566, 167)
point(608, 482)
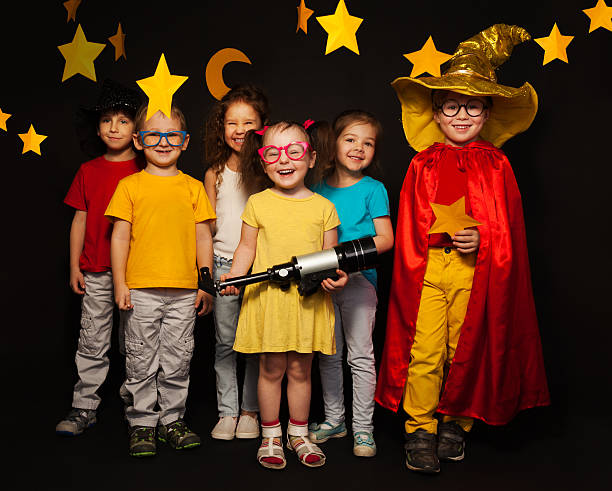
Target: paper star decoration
point(160, 88)
point(427, 59)
point(304, 14)
point(31, 140)
point(80, 55)
point(118, 41)
point(554, 45)
point(71, 6)
point(341, 29)
point(600, 15)
point(451, 218)
point(3, 118)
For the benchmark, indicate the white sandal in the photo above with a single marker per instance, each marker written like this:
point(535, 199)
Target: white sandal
point(303, 446)
point(270, 448)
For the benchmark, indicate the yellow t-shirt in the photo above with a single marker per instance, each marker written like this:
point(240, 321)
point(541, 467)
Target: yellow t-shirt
point(272, 319)
point(163, 212)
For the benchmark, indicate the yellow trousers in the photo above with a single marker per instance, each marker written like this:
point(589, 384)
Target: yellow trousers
point(446, 292)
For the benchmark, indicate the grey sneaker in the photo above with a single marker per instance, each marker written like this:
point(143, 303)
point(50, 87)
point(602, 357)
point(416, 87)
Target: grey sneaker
point(178, 435)
point(421, 454)
point(77, 421)
point(142, 441)
point(363, 444)
point(451, 442)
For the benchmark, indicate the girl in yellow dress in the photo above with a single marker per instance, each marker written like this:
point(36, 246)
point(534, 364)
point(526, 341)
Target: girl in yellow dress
point(285, 220)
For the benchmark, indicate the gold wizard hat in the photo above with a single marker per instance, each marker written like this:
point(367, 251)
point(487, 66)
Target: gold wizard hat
point(471, 71)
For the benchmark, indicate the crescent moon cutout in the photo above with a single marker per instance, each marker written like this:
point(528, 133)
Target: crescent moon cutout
point(214, 70)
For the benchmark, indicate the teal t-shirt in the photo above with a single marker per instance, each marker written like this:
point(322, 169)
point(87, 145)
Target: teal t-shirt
point(357, 206)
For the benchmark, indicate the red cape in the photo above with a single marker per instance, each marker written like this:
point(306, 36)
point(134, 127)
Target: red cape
point(498, 368)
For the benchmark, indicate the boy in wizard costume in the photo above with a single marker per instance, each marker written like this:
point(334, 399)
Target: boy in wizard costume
point(462, 338)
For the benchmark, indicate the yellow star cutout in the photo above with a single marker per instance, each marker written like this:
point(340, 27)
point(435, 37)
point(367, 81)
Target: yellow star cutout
point(600, 15)
point(160, 88)
point(451, 218)
point(80, 55)
point(31, 140)
point(554, 45)
point(118, 41)
point(304, 14)
point(427, 59)
point(341, 29)
point(71, 6)
point(3, 118)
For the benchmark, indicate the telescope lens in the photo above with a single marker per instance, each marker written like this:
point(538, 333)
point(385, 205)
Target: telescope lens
point(357, 255)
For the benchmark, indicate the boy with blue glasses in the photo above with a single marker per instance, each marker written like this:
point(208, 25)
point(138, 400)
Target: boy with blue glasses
point(160, 237)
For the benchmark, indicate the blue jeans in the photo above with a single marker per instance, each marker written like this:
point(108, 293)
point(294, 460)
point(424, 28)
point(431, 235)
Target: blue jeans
point(226, 310)
point(355, 309)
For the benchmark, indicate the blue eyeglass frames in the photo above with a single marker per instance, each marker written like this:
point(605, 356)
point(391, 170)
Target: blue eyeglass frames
point(153, 138)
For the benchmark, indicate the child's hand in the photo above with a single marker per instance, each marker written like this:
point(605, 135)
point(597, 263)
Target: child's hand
point(123, 297)
point(77, 281)
point(206, 300)
point(331, 286)
point(467, 241)
point(230, 290)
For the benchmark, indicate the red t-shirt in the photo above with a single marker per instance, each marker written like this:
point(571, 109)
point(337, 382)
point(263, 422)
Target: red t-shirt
point(452, 185)
point(91, 191)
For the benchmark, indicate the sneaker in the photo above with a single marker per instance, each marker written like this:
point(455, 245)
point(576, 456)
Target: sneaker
point(248, 427)
point(225, 429)
point(77, 421)
point(142, 441)
point(178, 435)
point(451, 441)
point(420, 450)
point(319, 433)
point(364, 444)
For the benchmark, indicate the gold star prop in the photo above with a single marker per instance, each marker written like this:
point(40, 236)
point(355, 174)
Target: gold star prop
point(80, 55)
point(427, 59)
point(451, 218)
point(341, 29)
point(600, 15)
point(31, 140)
point(160, 88)
point(554, 45)
point(304, 14)
point(3, 118)
point(71, 6)
point(118, 41)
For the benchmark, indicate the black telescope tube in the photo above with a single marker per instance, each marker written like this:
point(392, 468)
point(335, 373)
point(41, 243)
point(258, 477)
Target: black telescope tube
point(239, 281)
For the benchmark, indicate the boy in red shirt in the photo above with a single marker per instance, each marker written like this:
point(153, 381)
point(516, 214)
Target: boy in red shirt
point(90, 232)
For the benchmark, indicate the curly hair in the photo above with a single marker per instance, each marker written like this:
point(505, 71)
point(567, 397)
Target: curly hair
point(342, 121)
point(216, 151)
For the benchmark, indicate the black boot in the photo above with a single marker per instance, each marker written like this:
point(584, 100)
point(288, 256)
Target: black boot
point(420, 450)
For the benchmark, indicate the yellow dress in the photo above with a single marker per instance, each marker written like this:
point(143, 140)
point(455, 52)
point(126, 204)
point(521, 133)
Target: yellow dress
point(275, 320)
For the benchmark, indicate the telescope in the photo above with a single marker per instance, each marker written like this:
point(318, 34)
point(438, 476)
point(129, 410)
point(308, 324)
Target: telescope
point(308, 270)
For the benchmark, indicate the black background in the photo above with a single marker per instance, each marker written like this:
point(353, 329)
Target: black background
point(562, 165)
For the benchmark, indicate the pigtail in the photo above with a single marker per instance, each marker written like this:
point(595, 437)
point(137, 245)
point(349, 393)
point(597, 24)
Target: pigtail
point(323, 141)
point(252, 175)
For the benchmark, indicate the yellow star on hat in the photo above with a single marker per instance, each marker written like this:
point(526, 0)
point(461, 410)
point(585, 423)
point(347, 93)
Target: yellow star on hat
point(71, 7)
point(31, 140)
point(3, 118)
point(554, 45)
point(160, 88)
point(118, 41)
point(80, 55)
point(600, 15)
point(304, 14)
point(341, 29)
point(451, 218)
point(427, 59)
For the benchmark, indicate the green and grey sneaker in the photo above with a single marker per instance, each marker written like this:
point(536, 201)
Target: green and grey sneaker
point(319, 433)
point(77, 421)
point(451, 442)
point(142, 441)
point(420, 451)
point(364, 444)
point(178, 435)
